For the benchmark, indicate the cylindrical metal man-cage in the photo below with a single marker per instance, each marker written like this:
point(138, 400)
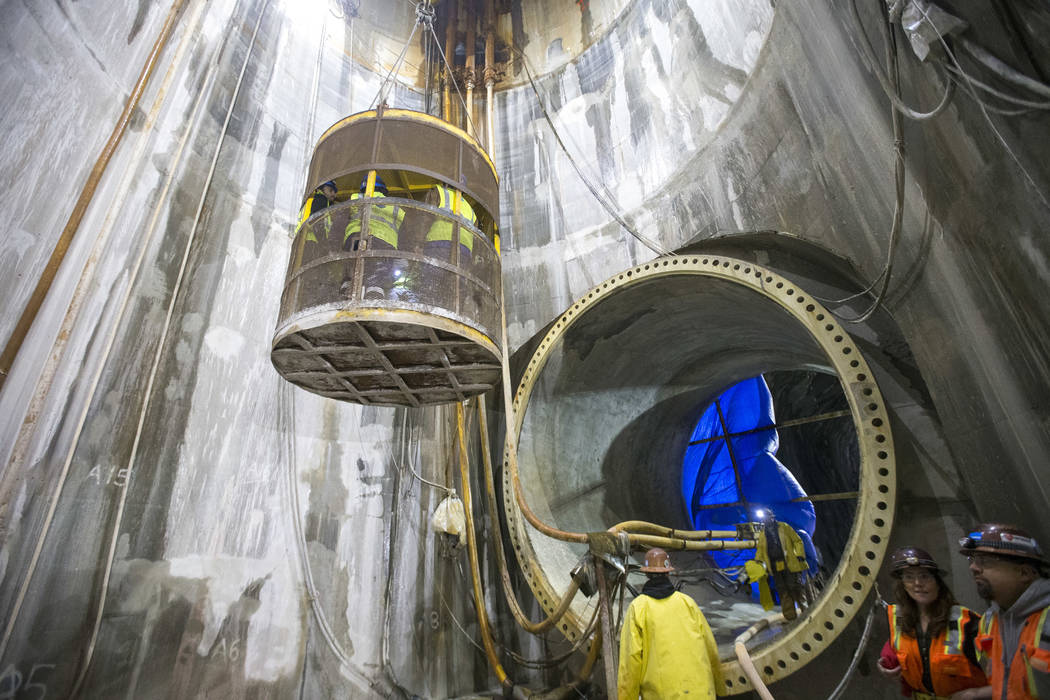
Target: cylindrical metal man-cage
point(381, 306)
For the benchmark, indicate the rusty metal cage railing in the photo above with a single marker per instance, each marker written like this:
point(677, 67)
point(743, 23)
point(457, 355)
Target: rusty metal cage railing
point(390, 300)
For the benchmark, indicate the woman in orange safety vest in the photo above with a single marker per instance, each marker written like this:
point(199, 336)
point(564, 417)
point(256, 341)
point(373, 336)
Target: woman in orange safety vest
point(932, 646)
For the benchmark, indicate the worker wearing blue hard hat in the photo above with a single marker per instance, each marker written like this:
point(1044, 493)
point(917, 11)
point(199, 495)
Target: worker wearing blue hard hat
point(322, 198)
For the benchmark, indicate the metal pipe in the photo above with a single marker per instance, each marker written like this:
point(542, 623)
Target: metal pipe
point(450, 47)
point(87, 193)
point(689, 545)
point(608, 634)
point(490, 74)
point(471, 80)
point(641, 527)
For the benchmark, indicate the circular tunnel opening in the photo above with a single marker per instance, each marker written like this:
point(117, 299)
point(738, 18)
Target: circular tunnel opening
point(611, 399)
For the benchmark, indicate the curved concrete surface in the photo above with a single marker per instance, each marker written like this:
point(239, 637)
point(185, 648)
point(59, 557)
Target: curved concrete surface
point(609, 400)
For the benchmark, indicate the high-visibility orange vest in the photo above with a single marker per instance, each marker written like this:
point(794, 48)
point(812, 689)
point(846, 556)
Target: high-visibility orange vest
point(950, 670)
point(1029, 668)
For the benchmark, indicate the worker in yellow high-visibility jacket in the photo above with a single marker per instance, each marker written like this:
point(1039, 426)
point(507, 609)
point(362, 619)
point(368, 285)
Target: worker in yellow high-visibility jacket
point(667, 649)
point(384, 226)
point(438, 242)
point(322, 198)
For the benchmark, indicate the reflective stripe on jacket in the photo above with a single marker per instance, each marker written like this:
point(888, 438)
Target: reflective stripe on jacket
point(667, 651)
point(794, 550)
point(452, 201)
point(384, 222)
point(318, 202)
point(1029, 669)
point(950, 670)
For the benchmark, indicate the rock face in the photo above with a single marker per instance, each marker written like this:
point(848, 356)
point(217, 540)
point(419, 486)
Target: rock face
point(176, 521)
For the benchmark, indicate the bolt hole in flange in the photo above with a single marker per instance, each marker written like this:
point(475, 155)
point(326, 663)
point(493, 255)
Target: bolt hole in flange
point(608, 404)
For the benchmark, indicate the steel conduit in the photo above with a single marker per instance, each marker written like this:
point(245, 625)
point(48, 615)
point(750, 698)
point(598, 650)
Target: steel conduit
point(148, 392)
point(87, 193)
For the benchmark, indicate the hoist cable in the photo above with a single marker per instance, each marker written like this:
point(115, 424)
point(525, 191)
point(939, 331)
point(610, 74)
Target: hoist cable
point(984, 111)
point(655, 247)
point(883, 279)
point(397, 64)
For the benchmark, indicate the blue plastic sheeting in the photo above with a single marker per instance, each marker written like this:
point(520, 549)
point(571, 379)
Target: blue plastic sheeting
point(708, 478)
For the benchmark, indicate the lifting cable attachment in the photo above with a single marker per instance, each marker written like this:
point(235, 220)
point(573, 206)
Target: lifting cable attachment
point(425, 15)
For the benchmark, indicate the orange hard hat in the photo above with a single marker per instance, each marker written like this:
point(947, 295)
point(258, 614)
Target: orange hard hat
point(657, 561)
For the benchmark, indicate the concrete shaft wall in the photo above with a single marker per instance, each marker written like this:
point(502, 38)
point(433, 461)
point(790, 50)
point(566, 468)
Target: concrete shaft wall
point(178, 522)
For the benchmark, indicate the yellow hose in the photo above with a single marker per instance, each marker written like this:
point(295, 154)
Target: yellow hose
point(508, 589)
point(642, 527)
point(472, 550)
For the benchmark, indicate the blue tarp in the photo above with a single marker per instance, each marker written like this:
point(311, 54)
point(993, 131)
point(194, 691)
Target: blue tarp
point(708, 478)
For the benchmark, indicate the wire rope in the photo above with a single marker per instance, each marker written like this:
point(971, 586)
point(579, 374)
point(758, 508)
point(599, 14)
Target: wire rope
point(612, 211)
point(891, 87)
point(148, 392)
point(883, 279)
point(984, 111)
point(380, 96)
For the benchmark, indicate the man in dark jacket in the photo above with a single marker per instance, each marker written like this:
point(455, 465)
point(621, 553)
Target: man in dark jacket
point(1014, 641)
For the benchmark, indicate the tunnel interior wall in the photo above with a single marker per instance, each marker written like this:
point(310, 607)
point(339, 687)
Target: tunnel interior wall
point(215, 531)
point(782, 129)
point(807, 150)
